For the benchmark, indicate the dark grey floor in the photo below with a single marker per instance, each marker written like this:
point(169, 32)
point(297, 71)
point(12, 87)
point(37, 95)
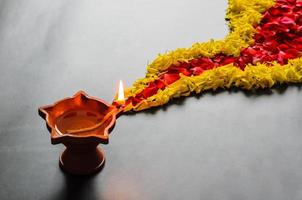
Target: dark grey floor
point(224, 146)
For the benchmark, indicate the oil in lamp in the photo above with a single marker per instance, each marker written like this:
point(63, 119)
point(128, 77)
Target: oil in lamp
point(81, 123)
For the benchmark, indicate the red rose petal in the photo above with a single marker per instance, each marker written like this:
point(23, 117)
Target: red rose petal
point(274, 11)
point(170, 78)
point(160, 84)
point(197, 70)
point(287, 21)
point(149, 91)
point(227, 60)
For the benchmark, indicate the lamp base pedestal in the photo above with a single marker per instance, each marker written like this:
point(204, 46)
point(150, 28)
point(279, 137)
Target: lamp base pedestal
point(82, 161)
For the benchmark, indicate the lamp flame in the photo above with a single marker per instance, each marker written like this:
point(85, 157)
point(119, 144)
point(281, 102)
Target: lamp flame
point(121, 95)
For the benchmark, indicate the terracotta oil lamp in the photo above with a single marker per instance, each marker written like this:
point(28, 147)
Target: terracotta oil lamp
point(81, 123)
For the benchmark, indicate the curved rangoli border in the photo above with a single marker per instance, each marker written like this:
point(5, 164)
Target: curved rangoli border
point(243, 16)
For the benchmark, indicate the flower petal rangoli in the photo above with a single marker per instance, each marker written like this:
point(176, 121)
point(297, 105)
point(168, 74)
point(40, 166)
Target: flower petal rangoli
point(263, 48)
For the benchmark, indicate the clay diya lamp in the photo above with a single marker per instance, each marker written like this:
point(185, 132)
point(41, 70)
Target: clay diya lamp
point(81, 123)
